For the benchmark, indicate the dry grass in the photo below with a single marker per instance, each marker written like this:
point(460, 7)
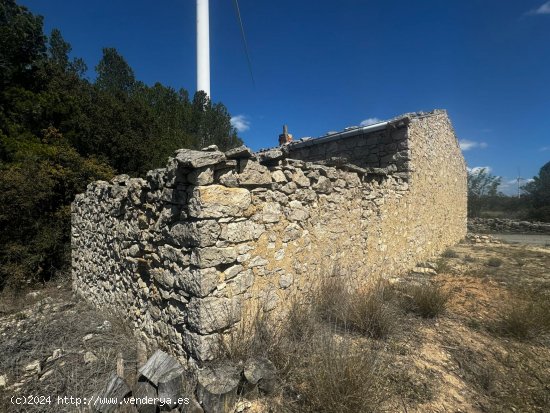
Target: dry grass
point(57, 322)
point(320, 368)
point(426, 300)
point(253, 336)
point(335, 376)
point(449, 253)
point(475, 368)
point(524, 320)
point(370, 311)
point(354, 351)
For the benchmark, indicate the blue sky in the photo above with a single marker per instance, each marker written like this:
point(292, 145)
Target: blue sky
point(323, 65)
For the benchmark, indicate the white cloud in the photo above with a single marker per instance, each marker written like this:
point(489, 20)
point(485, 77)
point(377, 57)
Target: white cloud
point(370, 121)
point(477, 169)
point(544, 149)
point(466, 144)
point(510, 187)
point(544, 9)
point(241, 123)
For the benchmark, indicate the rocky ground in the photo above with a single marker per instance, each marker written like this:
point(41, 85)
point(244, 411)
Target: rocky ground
point(51, 345)
point(474, 357)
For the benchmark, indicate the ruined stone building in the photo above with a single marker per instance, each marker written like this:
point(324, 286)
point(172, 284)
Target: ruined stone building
point(188, 250)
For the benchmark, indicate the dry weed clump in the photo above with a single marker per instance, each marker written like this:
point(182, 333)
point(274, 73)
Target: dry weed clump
point(253, 336)
point(525, 320)
point(370, 311)
point(319, 367)
point(449, 253)
point(494, 262)
point(426, 300)
point(332, 375)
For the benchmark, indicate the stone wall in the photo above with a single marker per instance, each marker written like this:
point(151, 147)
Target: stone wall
point(384, 146)
point(504, 225)
point(188, 250)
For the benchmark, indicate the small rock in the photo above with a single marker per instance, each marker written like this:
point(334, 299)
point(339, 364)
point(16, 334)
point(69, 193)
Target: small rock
point(88, 337)
point(33, 368)
point(45, 375)
point(106, 326)
point(262, 372)
point(89, 357)
point(217, 387)
point(56, 354)
point(3, 381)
point(241, 152)
point(271, 155)
point(242, 406)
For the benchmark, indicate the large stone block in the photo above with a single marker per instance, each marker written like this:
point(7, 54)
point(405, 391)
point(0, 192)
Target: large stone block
point(217, 201)
point(253, 174)
point(203, 233)
point(188, 158)
point(241, 231)
point(198, 281)
point(213, 314)
point(202, 347)
point(201, 176)
point(271, 212)
point(299, 177)
point(212, 256)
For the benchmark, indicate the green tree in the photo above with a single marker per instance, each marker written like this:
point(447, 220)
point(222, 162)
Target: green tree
point(539, 192)
point(481, 187)
point(37, 184)
point(59, 50)
point(114, 75)
point(59, 131)
point(22, 43)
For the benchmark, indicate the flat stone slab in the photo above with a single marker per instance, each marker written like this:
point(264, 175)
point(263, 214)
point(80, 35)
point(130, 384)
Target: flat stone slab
point(160, 364)
point(240, 152)
point(196, 159)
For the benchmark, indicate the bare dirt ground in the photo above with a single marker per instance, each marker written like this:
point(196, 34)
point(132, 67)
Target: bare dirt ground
point(461, 361)
point(467, 364)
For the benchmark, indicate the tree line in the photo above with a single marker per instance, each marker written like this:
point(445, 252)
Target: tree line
point(485, 200)
point(59, 131)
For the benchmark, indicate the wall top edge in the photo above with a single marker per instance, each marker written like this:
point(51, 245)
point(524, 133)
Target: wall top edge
point(397, 122)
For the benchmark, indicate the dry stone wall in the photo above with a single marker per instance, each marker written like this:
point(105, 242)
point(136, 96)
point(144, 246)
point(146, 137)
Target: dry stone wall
point(386, 148)
point(505, 225)
point(188, 250)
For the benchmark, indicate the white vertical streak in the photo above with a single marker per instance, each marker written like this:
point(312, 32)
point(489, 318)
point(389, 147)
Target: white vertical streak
point(203, 47)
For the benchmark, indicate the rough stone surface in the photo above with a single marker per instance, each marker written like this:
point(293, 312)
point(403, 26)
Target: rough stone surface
point(261, 372)
point(218, 201)
point(253, 174)
point(188, 158)
point(493, 225)
point(217, 387)
point(184, 253)
point(207, 315)
point(241, 152)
